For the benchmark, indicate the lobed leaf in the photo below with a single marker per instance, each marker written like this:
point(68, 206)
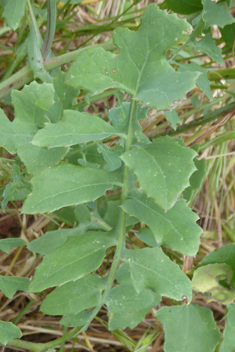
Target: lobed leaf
point(31, 105)
point(163, 169)
point(189, 328)
point(131, 318)
point(176, 228)
point(151, 268)
point(215, 14)
point(208, 46)
point(67, 184)
point(141, 68)
point(74, 128)
point(79, 256)
point(75, 296)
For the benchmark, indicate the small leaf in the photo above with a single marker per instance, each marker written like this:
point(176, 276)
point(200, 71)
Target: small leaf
point(189, 328)
point(112, 157)
point(172, 117)
point(74, 128)
point(163, 169)
point(74, 296)
point(202, 82)
point(79, 256)
point(17, 189)
point(176, 228)
point(208, 46)
point(65, 185)
point(151, 268)
point(8, 331)
point(145, 73)
point(206, 279)
point(216, 14)
point(31, 105)
point(228, 344)
point(13, 12)
point(7, 243)
point(10, 284)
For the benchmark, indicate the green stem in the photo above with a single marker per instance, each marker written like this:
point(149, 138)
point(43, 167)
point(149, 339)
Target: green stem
point(25, 75)
point(50, 31)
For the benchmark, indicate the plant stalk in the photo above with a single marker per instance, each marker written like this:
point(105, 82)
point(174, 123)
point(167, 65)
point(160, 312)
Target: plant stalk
point(25, 75)
point(50, 31)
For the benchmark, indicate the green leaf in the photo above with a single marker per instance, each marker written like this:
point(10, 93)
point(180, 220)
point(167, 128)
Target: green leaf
point(79, 256)
point(176, 228)
point(7, 243)
point(228, 34)
point(74, 320)
point(184, 7)
point(126, 307)
point(65, 185)
point(196, 180)
point(74, 127)
point(189, 328)
point(207, 279)
point(8, 331)
point(13, 12)
point(65, 98)
point(147, 236)
point(17, 189)
point(31, 105)
point(112, 157)
point(52, 240)
point(10, 284)
point(162, 168)
point(172, 117)
point(130, 318)
point(221, 255)
point(228, 344)
point(75, 296)
point(216, 14)
point(140, 69)
point(65, 93)
point(202, 82)
point(124, 298)
point(151, 268)
point(208, 46)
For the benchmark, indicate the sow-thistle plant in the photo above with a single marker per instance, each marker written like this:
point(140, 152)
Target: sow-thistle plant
point(112, 187)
